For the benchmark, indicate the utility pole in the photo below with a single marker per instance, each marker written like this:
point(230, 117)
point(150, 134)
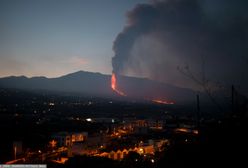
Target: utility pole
point(15, 152)
point(233, 100)
point(198, 111)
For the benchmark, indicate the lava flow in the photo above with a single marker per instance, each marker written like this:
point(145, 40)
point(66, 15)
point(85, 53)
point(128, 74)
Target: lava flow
point(162, 101)
point(114, 86)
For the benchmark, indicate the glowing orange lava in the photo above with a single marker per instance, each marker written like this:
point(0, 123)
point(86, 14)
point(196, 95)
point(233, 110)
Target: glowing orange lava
point(114, 86)
point(162, 101)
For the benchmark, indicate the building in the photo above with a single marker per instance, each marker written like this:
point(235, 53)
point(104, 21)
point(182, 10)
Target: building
point(120, 154)
point(68, 138)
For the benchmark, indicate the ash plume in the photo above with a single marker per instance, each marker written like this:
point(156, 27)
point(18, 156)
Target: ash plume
point(165, 34)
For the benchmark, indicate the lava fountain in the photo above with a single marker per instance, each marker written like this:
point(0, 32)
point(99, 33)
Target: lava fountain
point(114, 85)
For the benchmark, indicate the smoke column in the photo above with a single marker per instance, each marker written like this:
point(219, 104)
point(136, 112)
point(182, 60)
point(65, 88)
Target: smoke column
point(165, 34)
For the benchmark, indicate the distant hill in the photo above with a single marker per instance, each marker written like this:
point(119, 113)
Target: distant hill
point(97, 84)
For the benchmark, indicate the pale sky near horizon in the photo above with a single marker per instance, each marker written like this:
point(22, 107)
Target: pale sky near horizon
point(56, 37)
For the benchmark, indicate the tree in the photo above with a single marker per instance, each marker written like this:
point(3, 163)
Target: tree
point(202, 81)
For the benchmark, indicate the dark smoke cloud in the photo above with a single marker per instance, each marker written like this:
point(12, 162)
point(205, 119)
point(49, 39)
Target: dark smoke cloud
point(163, 35)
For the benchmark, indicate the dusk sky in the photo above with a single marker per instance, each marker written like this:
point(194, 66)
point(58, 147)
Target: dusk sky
point(56, 37)
point(141, 38)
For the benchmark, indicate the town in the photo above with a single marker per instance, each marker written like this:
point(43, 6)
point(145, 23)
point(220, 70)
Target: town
point(42, 128)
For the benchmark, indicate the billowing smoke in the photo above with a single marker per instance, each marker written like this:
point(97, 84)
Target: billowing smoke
point(161, 36)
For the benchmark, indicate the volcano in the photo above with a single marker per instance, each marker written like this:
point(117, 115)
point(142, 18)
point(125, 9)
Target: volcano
point(97, 84)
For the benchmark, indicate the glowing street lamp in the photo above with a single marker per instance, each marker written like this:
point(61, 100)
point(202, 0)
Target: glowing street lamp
point(53, 143)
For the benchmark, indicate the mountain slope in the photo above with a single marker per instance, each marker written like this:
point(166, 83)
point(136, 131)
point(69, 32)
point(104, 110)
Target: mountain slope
point(96, 84)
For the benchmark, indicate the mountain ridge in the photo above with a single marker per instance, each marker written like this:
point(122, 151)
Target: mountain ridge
point(97, 84)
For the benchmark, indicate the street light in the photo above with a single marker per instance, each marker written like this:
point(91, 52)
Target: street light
point(53, 143)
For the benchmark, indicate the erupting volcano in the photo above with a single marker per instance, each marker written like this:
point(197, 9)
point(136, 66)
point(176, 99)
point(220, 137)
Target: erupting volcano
point(114, 85)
